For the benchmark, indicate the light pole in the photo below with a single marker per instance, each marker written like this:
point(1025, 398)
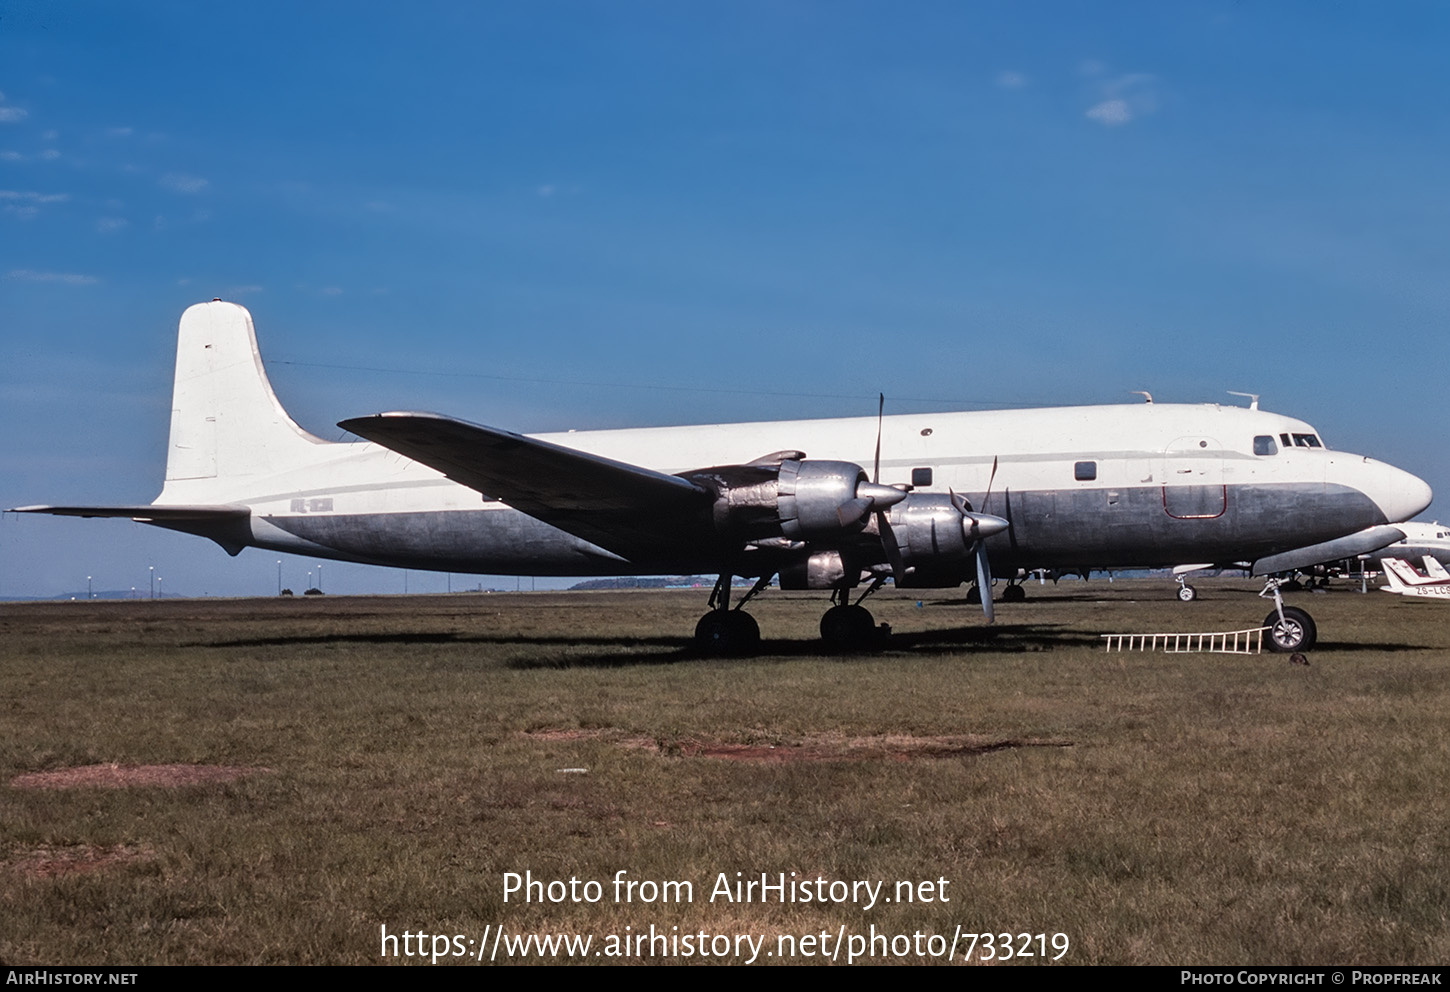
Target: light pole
point(89, 594)
point(279, 576)
point(153, 580)
point(319, 578)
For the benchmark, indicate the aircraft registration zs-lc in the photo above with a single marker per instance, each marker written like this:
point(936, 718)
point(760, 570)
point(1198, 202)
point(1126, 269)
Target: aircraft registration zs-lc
point(967, 496)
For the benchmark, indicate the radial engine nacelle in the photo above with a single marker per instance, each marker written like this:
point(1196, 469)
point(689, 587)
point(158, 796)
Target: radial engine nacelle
point(795, 499)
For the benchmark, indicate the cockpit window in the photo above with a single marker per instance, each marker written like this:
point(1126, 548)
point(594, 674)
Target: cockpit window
point(1306, 441)
point(1264, 445)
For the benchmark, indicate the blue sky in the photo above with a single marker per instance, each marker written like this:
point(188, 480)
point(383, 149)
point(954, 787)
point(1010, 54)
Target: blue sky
point(584, 215)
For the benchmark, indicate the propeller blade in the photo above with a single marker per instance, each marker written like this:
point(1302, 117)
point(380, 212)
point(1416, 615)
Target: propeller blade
point(853, 512)
point(893, 549)
point(880, 416)
point(984, 582)
point(987, 497)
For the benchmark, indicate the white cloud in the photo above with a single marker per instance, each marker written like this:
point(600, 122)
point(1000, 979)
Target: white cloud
point(32, 197)
point(69, 278)
point(1110, 112)
point(180, 182)
point(119, 132)
point(9, 115)
point(1009, 79)
point(110, 225)
point(25, 204)
point(1123, 99)
point(331, 291)
point(50, 154)
point(9, 156)
point(232, 292)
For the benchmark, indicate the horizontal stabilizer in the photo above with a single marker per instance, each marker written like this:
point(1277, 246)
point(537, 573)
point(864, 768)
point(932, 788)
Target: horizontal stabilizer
point(1363, 542)
point(145, 513)
point(622, 507)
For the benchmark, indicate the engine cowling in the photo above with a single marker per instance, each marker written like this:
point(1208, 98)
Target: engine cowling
point(796, 499)
point(936, 536)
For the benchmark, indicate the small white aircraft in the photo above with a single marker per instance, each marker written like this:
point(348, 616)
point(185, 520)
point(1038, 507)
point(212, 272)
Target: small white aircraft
point(1403, 578)
point(964, 494)
point(1422, 540)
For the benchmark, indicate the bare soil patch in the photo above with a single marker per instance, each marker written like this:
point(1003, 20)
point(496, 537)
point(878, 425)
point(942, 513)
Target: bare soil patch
point(131, 776)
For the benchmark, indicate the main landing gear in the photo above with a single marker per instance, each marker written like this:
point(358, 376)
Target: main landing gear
point(1013, 592)
point(1186, 593)
point(731, 632)
point(1290, 628)
point(724, 632)
point(850, 626)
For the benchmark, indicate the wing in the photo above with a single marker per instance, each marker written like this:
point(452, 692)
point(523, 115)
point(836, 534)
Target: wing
point(632, 511)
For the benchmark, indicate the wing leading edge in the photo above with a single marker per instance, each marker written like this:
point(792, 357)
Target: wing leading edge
point(632, 511)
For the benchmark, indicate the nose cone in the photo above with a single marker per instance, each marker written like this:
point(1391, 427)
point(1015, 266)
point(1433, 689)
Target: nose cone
point(1397, 493)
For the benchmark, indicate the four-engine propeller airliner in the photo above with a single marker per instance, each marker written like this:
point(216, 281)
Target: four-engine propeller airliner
point(950, 497)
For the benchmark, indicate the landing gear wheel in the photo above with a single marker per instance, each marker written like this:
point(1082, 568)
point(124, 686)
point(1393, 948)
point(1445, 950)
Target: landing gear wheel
point(1295, 632)
point(727, 634)
point(1186, 593)
point(849, 628)
point(974, 596)
point(1293, 585)
point(1014, 594)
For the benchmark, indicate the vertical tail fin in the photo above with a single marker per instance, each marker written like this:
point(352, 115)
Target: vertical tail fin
point(1400, 575)
point(226, 423)
point(1434, 569)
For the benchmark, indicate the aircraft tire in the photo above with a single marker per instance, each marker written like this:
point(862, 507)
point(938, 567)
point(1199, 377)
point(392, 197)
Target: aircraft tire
point(727, 634)
point(1014, 594)
point(1187, 593)
point(1295, 633)
point(849, 628)
point(974, 596)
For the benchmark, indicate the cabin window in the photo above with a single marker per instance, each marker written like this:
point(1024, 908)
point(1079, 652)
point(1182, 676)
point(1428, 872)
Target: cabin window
point(921, 477)
point(1306, 441)
point(1085, 471)
point(1264, 445)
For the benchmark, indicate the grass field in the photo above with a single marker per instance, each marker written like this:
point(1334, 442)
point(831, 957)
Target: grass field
point(293, 775)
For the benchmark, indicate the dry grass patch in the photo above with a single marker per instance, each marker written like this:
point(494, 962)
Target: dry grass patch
point(820, 747)
point(48, 861)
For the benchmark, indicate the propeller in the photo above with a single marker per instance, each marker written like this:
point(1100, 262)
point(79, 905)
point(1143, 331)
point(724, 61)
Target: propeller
point(976, 527)
point(888, 536)
point(983, 526)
